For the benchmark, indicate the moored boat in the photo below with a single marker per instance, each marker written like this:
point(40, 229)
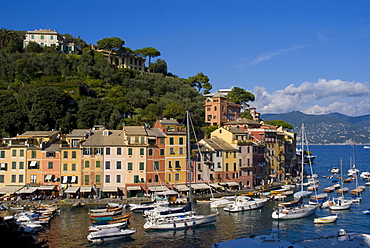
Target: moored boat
point(326, 219)
point(110, 234)
point(243, 203)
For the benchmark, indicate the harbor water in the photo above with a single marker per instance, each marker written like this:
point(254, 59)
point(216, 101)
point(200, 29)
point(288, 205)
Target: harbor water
point(70, 228)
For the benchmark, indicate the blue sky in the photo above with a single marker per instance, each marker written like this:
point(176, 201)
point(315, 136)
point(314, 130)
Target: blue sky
point(311, 56)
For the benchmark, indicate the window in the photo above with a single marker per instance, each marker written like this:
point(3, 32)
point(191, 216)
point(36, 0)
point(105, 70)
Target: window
point(119, 151)
point(150, 152)
point(171, 141)
point(169, 177)
point(161, 141)
point(33, 165)
point(107, 165)
point(107, 178)
point(170, 164)
point(1, 178)
point(74, 154)
point(234, 166)
point(129, 166)
point(181, 150)
point(20, 178)
point(87, 164)
point(50, 165)
point(3, 166)
point(14, 177)
point(227, 167)
point(65, 154)
point(42, 37)
point(129, 151)
point(161, 152)
point(14, 153)
point(177, 164)
point(118, 165)
point(87, 151)
point(136, 179)
point(181, 141)
point(51, 37)
point(33, 154)
point(50, 154)
point(32, 36)
point(21, 165)
point(141, 166)
point(87, 179)
point(33, 179)
point(14, 165)
point(118, 178)
point(98, 151)
point(172, 151)
point(65, 167)
point(107, 151)
point(141, 151)
point(21, 153)
point(199, 176)
point(97, 178)
point(156, 179)
point(177, 177)
point(156, 165)
point(73, 167)
point(97, 164)
point(2, 154)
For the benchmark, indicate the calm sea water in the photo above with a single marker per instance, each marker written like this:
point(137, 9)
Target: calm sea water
point(70, 228)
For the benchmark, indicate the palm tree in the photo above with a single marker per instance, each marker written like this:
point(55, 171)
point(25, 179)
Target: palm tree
point(6, 36)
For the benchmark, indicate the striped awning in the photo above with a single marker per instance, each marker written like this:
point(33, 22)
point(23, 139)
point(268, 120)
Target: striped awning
point(27, 190)
point(110, 189)
point(47, 187)
point(182, 188)
point(215, 185)
point(232, 184)
point(158, 188)
point(199, 186)
point(85, 189)
point(9, 189)
point(72, 190)
point(133, 188)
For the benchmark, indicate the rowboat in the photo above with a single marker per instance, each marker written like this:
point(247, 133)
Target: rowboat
point(367, 211)
point(326, 219)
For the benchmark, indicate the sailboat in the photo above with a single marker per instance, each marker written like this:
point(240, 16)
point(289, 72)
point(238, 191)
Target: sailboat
point(302, 193)
point(340, 203)
point(287, 212)
point(356, 193)
point(189, 218)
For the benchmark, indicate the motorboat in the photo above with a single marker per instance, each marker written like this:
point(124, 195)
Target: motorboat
point(340, 204)
point(105, 214)
point(326, 219)
point(271, 240)
point(178, 222)
point(220, 203)
point(243, 203)
point(294, 213)
point(95, 228)
point(110, 234)
point(167, 211)
point(329, 189)
point(352, 172)
point(342, 190)
point(365, 175)
point(335, 170)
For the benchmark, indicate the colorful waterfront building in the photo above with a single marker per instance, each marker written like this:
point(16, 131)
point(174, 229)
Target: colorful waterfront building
point(175, 152)
point(219, 111)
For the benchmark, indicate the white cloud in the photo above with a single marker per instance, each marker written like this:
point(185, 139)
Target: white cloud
point(325, 96)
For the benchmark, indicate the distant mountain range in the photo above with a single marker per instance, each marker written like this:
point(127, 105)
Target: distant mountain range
point(332, 128)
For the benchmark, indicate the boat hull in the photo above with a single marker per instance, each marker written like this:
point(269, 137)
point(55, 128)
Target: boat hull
point(179, 223)
point(284, 214)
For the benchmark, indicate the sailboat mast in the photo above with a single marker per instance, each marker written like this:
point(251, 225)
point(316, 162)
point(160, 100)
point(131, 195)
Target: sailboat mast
point(189, 153)
point(302, 157)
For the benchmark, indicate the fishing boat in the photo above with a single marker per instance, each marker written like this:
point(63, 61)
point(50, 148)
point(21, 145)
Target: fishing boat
point(105, 214)
point(189, 220)
point(110, 234)
point(326, 219)
point(243, 203)
point(106, 209)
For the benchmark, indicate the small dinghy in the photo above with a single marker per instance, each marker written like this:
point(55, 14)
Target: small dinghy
point(326, 219)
